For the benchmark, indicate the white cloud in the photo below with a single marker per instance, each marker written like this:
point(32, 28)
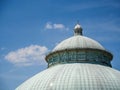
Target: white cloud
point(31, 55)
point(48, 25)
point(58, 26)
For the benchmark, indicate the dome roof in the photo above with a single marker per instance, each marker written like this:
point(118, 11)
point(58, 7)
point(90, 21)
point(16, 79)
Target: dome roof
point(74, 76)
point(76, 69)
point(78, 41)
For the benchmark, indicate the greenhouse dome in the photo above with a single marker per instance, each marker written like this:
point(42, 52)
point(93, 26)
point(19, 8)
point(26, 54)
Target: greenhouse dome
point(77, 63)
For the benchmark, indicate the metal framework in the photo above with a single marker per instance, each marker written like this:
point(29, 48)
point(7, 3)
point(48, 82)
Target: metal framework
point(79, 56)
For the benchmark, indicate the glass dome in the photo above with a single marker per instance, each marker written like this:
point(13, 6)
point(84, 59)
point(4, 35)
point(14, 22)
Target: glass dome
point(74, 77)
point(78, 41)
point(77, 63)
point(79, 49)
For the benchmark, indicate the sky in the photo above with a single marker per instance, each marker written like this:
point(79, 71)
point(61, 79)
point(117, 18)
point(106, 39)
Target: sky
point(30, 29)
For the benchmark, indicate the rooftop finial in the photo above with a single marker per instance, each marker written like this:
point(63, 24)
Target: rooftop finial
point(78, 29)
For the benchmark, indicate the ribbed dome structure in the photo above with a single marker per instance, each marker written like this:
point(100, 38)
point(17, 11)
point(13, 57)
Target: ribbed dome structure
point(77, 63)
point(78, 42)
point(74, 77)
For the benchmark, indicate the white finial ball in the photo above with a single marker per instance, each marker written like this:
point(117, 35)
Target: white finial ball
point(77, 26)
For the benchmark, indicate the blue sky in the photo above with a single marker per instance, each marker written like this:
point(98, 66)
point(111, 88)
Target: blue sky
point(29, 29)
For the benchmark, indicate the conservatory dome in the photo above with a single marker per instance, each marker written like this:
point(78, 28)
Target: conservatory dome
point(78, 42)
point(74, 77)
point(77, 63)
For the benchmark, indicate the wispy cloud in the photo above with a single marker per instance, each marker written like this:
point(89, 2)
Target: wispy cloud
point(58, 26)
point(108, 28)
point(49, 25)
point(109, 25)
point(31, 55)
point(3, 48)
point(92, 5)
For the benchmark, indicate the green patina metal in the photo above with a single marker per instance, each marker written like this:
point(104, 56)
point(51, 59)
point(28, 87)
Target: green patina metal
point(79, 56)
